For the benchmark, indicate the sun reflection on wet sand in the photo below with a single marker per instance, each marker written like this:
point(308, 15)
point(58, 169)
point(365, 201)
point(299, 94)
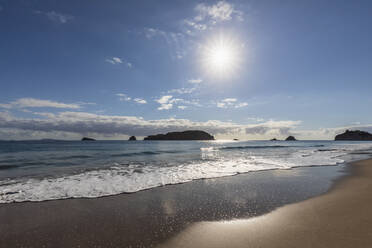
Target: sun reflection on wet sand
point(340, 218)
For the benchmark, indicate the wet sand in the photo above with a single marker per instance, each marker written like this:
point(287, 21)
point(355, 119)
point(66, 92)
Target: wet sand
point(166, 215)
point(340, 218)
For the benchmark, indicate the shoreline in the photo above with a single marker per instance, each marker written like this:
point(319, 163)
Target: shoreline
point(341, 217)
point(151, 217)
point(344, 165)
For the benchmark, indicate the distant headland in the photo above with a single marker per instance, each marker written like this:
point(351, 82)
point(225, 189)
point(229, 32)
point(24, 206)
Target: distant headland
point(186, 135)
point(354, 135)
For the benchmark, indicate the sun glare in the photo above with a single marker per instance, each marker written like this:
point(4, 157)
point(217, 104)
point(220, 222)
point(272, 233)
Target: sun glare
point(221, 56)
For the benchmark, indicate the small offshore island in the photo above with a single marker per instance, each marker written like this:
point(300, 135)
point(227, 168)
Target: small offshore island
point(185, 135)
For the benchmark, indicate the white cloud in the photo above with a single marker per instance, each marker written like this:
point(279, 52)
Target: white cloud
point(242, 104)
point(221, 105)
point(45, 114)
point(195, 81)
point(117, 60)
point(208, 15)
point(125, 98)
point(165, 106)
point(56, 17)
point(231, 103)
point(75, 124)
point(164, 99)
point(114, 60)
point(229, 100)
point(166, 102)
point(108, 125)
point(37, 103)
point(221, 11)
point(140, 100)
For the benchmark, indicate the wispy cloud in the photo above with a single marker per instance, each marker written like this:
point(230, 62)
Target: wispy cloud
point(182, 107)
point(231, 103)
point(140, 100)
point(125, 98)
point(37, 103)
point(117, 60)
point(152, 32)
point(195, 81)
point(114, 60)
point(175, 40)
point(55, 16)
point(182, 90)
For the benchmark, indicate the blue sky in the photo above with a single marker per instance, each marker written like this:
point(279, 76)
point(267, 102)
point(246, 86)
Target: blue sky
point(110, 69)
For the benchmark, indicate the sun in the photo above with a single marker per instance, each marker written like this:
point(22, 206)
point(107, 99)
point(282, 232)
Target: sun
point(221, 56)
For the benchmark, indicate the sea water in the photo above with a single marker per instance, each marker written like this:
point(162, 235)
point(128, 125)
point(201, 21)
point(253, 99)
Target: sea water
point(47, 170)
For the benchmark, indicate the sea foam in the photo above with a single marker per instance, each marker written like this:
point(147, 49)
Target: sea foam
point(127, 178)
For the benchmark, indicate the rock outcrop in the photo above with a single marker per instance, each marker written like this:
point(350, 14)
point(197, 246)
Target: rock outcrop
point(274, 139)
point(290, 138)
point(87, 139)
point(354, 135)
point(132, 138)
point(186, 135)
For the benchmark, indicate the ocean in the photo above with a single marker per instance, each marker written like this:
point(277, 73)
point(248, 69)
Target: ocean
point(49, 170)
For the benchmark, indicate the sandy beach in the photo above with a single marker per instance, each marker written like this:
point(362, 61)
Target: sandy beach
point(151, 217)
point(223, 209)
point(280, 208)
point(340, 218)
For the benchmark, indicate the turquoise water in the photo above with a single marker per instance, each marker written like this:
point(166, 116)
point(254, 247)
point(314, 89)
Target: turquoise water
point(45, 170)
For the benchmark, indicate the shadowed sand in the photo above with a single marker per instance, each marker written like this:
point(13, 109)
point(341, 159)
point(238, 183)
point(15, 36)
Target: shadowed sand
point(340, 218)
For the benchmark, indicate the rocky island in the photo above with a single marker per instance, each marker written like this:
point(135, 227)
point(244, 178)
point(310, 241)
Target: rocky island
point(186, 135)
point(87, 139)
point(354, 135)
point(132, 138)
point(290, 138)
